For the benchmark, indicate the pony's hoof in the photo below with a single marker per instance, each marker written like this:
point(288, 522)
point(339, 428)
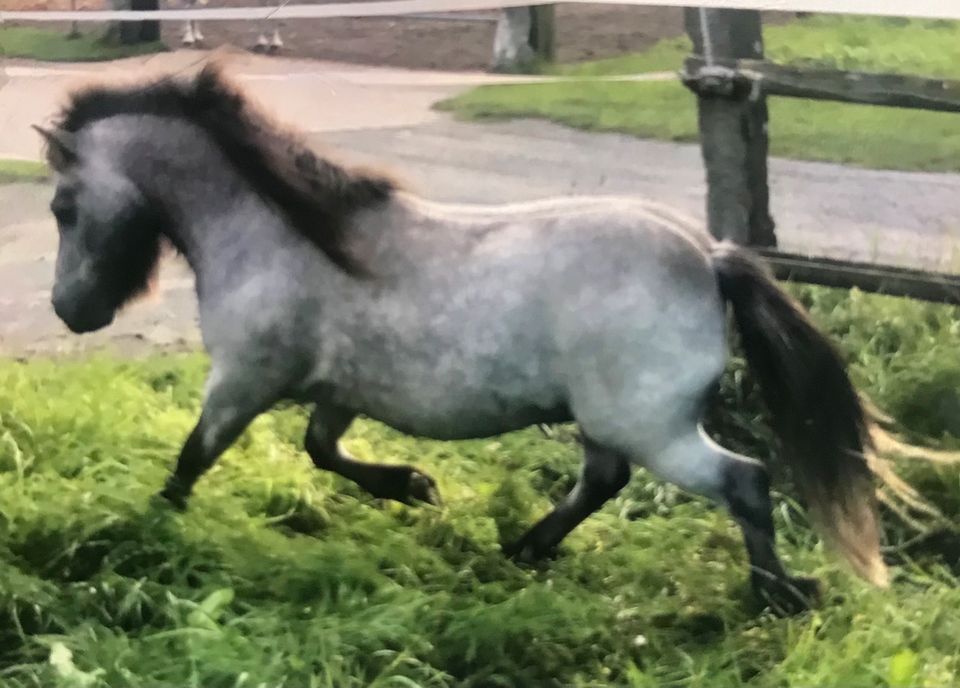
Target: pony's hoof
point(520, 553)
point(171, 496)
point(525, 552)
point(422, 488)
point(790, 596)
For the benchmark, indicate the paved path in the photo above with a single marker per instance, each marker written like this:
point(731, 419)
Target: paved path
point(383, 115)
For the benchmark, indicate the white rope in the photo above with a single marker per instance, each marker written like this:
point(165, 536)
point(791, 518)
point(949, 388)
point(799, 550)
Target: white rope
point(925, 9)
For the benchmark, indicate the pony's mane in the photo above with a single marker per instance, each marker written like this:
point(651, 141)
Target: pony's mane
point(316, 194)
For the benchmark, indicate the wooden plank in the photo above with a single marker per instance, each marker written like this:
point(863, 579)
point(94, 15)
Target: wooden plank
point(926, 9)
point(880, 279)
point(449, 16)
point(865, 88)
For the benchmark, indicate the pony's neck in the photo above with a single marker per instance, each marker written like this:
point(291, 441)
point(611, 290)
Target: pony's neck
point(214, 218)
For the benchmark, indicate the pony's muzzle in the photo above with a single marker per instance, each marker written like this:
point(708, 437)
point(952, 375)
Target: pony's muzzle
point(81, 318)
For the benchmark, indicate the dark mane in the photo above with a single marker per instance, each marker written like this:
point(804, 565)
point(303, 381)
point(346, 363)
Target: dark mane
point(315, 194)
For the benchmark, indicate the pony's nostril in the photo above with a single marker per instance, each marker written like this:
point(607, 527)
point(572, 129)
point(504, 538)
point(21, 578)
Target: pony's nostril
point(59, 307)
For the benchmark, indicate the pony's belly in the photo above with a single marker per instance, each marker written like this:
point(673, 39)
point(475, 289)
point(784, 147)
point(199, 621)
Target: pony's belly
point(484, 418)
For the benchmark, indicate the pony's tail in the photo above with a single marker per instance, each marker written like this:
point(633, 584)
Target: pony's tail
point(816, 411)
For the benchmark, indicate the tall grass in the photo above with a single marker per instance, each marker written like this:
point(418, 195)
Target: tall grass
point(279, 575)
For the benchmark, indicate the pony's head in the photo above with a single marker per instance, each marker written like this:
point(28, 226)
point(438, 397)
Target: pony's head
point(112, 213)
point(109, 239)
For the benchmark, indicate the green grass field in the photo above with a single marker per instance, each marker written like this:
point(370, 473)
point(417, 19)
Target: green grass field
point(12, 171)
point(55, 46)
point(279, 575)
point(875, 137)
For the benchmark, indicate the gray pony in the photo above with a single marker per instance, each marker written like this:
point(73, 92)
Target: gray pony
point(335, 287)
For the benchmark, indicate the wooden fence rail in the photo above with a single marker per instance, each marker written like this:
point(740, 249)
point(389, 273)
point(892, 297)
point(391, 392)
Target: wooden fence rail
point(880, 279)
point(757, 77)
point(921, 9)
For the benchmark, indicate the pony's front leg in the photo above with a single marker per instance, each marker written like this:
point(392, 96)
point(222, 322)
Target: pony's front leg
point(401, 483)
point(231, 404)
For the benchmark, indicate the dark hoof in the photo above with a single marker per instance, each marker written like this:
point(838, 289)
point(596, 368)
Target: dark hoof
point(788, 596)
point(173, 496)
point(422, 488)
point(527, 553)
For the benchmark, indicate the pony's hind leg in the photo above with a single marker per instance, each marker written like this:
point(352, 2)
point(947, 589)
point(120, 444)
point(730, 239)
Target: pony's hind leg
point(697, 464)
point(604, 473)
point(401, 483)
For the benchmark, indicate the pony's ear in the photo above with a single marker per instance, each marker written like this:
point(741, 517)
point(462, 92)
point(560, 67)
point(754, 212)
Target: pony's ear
point(61, 146)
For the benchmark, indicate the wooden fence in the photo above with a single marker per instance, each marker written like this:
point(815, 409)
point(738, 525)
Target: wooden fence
point(731, 80)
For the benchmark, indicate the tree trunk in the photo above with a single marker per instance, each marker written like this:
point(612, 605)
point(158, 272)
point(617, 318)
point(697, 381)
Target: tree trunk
point(511, 43)
point(132, 32)
point(524, 38)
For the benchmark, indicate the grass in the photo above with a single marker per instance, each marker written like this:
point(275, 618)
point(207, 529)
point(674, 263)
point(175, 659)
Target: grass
point(279, 575)
point(874, 137)
point(13, 171)
point(55, 46)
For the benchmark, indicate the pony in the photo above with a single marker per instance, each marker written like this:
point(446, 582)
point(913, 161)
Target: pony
point(334, 286)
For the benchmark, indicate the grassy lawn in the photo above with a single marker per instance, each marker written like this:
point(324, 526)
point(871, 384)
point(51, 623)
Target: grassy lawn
point(12, 171)
point(281, 575)
point(875, 137)
point(54, 46)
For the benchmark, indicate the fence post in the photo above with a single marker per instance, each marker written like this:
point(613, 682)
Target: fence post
point(733, 128)
point(143, 31)
point(524, 37)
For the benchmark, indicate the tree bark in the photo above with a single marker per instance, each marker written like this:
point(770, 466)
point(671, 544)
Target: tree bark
point(524, 38)
point(132, 32)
